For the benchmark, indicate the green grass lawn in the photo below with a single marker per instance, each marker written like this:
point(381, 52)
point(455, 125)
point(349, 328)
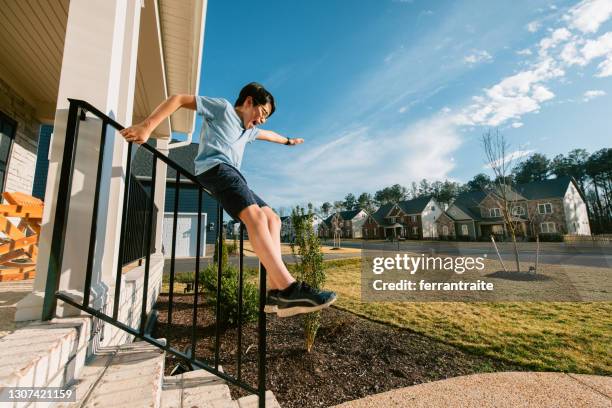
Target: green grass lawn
point(559, 336)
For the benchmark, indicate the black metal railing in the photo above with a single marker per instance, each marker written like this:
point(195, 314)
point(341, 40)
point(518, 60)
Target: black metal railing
point(76, 114)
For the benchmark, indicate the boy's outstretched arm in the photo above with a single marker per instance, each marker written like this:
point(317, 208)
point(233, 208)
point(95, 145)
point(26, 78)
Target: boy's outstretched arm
point(271, 136)
point(140, 132)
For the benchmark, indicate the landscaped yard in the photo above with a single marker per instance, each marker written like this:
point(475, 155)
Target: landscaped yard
point(560, 336)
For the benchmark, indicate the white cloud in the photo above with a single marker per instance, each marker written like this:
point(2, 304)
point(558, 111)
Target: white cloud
point(589, 15)
point(403, 109)
point(588, 95)
point(557, 37)
point(517, 125)
point(524, 52)
point(509, 158)
point(478, 56)
point(533, 26)
point(362, 160)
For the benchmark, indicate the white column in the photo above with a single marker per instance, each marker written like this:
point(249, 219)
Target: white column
point(99, 66)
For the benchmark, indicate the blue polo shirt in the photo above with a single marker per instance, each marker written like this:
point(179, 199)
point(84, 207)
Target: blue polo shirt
point(223, 137)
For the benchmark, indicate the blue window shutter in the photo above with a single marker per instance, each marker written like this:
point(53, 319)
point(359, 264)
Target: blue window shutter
point(42, 162)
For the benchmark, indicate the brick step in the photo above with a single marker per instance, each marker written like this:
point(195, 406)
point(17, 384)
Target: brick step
point(127, 376)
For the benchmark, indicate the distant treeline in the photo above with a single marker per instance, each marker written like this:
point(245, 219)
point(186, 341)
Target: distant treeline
point(592, 172)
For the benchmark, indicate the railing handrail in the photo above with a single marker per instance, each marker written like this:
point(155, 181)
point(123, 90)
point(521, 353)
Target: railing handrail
point(90, 108)
point(77, 113)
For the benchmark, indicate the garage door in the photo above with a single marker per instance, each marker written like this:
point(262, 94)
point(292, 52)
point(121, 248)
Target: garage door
point(186, 234)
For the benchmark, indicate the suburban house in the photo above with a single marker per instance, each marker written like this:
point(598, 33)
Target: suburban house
point(72, 73)
point(348, 224)
point(187, 205)
point(287, 231)
point(414, 219)
point(553, 206)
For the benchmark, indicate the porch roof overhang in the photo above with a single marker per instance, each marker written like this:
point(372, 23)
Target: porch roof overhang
point(396, 225)
point(170, 50)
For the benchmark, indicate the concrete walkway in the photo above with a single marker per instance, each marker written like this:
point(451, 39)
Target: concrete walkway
point(12, 292)
point(499, 390)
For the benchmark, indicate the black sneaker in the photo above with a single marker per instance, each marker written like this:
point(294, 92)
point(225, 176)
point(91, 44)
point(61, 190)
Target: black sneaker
point(271, 303)
point(299, 298)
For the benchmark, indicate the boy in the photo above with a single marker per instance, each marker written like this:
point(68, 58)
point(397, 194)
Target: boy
point(226, 130)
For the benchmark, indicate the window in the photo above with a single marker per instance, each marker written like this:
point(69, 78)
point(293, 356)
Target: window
point(518, 210)
point(414, 218)
point(494, 212)
point(464, 230)
point(392, 220)
point(415, 230)
point(444, 230)
point(433, 208)
point(7, 135)
point(545, 208)
point(548, 227)
point(347, 223)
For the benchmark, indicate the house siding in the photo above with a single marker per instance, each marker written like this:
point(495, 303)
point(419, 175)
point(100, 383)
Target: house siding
point(557, 216)
point(22, 160)
point(576, 214)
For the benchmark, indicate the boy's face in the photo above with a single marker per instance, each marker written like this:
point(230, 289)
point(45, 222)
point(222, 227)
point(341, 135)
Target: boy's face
point(254, 115)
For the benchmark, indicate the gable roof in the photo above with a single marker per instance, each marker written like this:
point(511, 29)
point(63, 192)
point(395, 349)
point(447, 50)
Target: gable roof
point(553, 188)
point(414, 206)
point(349, 214)
point(468, 203)
point(184, 156)
point(379, 215)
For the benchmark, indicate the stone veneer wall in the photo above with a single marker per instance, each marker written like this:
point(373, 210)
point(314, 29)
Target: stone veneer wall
point(22, 162)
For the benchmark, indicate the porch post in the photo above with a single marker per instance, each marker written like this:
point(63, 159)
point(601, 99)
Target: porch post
point(99, 66)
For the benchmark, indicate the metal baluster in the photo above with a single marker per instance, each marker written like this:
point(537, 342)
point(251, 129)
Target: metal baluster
point(173, 252)
point(126, 199)
point(219, 273)
point(261, 365)
point(197, 276)
point(94, 220)
point(240, 284)
point(145, 283)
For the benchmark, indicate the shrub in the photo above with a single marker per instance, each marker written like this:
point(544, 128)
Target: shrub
point(309, 266)
point(229, 293)
point(552, 237)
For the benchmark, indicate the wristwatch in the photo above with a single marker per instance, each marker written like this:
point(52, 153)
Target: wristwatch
point(288, 142)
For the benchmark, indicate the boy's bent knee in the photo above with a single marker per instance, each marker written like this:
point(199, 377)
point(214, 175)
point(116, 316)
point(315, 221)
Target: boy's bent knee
point(253, 214)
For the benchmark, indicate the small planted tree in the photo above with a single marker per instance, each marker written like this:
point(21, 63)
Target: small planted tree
point(306, 248)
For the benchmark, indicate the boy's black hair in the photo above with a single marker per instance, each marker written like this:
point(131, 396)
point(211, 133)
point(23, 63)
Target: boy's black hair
point(259, 94)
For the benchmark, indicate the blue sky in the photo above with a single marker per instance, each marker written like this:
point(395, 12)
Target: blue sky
point(395, 91)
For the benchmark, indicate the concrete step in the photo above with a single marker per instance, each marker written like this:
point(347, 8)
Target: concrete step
point(251, 401)
point(127, 376)
point(197, 388)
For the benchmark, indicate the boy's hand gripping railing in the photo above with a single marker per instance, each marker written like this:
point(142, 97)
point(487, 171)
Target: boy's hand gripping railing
point(76, 114)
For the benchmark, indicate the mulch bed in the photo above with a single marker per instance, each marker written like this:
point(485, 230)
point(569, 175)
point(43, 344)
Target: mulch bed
point(353, 357)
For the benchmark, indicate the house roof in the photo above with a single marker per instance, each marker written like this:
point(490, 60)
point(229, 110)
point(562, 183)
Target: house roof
point(468, 203)
point(379, 215)
point(348, 214)
point(170, 44)
point(184, 156)
point(554, 188)
point(414, 206)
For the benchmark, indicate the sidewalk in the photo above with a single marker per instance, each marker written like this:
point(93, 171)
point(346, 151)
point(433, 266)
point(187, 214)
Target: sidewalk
point(499, 390)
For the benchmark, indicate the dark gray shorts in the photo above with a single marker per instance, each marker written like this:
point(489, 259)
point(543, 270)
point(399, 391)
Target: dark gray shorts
point(230, 188)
